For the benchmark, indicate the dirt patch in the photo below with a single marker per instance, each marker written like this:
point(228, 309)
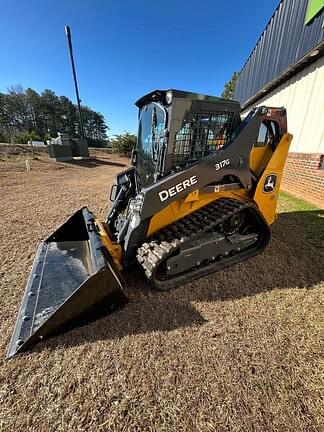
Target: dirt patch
point(237, 350)
point(19, 152)
point(13, 158)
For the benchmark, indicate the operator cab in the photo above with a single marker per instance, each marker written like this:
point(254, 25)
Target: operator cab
point(178, 129)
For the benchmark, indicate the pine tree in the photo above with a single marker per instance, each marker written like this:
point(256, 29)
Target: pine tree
point(27, 115)
point(229, 87)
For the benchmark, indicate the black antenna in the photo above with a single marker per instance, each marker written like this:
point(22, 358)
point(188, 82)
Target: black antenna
point(68, 35)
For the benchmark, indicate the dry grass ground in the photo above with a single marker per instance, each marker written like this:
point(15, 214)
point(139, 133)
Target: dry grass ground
point(239, 350)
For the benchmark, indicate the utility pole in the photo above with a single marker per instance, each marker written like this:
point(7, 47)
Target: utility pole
point(68, 35)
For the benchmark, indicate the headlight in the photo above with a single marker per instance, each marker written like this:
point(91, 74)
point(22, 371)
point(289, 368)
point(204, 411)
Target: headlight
point(168, 97)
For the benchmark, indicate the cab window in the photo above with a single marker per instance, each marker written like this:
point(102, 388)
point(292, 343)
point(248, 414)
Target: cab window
point(267, 134)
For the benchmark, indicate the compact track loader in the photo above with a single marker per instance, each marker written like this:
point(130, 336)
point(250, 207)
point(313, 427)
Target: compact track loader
point(200, 196)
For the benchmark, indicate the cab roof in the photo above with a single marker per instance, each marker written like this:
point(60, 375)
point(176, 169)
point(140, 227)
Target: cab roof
point(160, 96)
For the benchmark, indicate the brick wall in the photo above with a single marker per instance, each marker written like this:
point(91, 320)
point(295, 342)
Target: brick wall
point(302, 177)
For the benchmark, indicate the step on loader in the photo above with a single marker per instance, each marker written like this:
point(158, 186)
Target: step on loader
point(200, 196)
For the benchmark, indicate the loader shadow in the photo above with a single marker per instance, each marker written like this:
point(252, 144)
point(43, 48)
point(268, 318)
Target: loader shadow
point(94, 162)
point(292, 260)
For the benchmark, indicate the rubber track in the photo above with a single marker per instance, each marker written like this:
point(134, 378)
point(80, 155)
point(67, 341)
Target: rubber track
point(207, 219)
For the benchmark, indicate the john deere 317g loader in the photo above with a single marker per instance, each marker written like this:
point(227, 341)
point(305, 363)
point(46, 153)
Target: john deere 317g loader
point(200, 196)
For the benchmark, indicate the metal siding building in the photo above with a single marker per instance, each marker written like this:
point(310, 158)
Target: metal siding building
point(286, 68)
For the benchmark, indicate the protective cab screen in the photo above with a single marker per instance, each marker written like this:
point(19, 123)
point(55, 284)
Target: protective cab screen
point(201, 134)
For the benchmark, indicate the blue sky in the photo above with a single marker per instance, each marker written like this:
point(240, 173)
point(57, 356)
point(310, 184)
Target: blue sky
point(124, 49)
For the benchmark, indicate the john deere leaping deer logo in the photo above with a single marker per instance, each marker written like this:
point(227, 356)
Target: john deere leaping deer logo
point(270, 183)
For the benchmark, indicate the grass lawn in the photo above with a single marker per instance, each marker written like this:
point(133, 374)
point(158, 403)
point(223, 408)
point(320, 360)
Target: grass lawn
point(239, 350)
point(309, 217)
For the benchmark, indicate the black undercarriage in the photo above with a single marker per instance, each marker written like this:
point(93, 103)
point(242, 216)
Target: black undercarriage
point(220, 234)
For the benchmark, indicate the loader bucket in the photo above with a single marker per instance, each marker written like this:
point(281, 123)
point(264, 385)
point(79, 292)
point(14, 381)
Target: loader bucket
point(73, 281)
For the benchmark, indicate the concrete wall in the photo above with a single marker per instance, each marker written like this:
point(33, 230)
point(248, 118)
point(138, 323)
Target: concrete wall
point(303, 97)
